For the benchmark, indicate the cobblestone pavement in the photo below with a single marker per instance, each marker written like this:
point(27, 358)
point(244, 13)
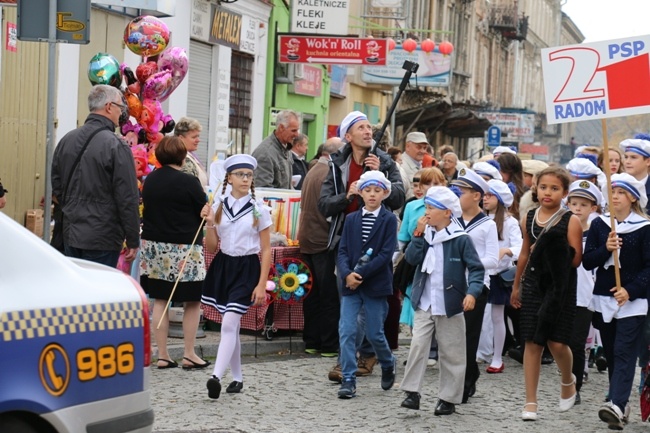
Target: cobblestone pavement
point(291, 393)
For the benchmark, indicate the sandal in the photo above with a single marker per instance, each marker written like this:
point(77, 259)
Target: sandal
point(168, 364)
point(567, 403)
point(195, 365)
point(528, 415)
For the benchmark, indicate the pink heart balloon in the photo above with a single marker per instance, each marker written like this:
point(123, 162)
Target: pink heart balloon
point(174, 60)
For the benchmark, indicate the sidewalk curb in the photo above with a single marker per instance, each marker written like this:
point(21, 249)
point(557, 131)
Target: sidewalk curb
point(277, 346)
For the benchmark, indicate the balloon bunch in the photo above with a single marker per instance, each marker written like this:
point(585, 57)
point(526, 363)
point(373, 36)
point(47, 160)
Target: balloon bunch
point(162, 69)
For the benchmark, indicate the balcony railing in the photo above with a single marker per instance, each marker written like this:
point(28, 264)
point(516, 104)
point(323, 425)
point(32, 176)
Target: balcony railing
point(504, 19)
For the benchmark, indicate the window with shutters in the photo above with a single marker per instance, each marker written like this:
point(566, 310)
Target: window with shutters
point(241, 81)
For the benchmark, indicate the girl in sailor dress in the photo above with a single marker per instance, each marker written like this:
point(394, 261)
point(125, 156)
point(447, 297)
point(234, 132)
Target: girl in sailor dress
point(620, 312)
point(237, 277)
point(496, 204)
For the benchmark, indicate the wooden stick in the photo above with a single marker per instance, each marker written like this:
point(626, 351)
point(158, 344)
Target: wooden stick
point(210, 197)
point(178, 278)
point(612, 219)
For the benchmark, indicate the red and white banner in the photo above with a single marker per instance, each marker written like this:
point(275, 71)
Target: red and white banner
point(597, 80)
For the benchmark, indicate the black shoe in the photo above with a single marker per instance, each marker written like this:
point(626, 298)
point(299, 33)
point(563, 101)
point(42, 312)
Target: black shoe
point(577, 399)
point(444, 408)
point(517, 354)
point(412, 400)
point(601, 364)
point(214, 387)
point(388, 376)
point(235, 387)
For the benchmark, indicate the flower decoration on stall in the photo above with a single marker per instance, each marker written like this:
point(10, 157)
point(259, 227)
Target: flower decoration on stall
point(293, 280)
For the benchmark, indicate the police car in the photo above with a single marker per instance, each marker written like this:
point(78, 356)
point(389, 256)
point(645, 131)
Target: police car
point(74, 342)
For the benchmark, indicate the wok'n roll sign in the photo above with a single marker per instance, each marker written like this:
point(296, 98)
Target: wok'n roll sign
point(597, 80)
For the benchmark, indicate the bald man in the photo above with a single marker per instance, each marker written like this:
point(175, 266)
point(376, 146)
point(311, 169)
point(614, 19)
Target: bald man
point(448, 166)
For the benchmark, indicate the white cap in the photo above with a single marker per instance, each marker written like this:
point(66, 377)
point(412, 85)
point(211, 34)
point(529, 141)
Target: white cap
point(350, 120)
point(585, 189)
point(502, 192)
point(579, 150)
point(239, 161)
point(533, 166)
point(416, 137)
point(637, 145)
point(503, 149)
point(374, 178)
point(583, 168)
point(631, 185)
point(443, 198)
point(486, 169)
point(469, 179)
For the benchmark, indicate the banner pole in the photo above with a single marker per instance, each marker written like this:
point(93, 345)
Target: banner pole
point(612, 220)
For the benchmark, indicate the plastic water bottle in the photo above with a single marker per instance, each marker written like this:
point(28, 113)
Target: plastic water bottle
point(363, 260)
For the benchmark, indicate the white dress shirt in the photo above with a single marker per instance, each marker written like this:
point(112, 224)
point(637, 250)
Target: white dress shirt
point(486, 242)
point(236, 232)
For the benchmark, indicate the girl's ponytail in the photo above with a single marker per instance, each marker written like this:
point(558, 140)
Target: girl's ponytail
point(217, 216)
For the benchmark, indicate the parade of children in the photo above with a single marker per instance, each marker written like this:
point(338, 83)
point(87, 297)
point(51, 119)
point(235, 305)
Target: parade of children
point(575, 265)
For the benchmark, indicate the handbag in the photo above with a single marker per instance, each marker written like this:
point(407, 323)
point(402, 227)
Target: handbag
point(57, 232)
point(403, 275)
point(507, 276)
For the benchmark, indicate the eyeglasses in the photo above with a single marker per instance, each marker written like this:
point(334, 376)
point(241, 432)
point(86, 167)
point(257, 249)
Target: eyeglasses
point(242, 175)
point(122, 106)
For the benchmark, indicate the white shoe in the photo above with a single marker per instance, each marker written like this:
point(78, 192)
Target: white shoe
point(612, 415)
point(567, 403)
point(528, 415)
point(432, 362)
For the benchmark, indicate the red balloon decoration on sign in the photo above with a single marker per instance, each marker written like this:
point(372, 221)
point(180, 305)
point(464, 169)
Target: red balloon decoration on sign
point(391, 44)
point(409, 45)
point(427, 45)
point(445, 48)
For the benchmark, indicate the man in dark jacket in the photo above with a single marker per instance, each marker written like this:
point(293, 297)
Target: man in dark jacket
point(339, 196)
point(100, 194)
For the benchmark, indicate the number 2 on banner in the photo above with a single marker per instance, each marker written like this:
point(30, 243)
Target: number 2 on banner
point(576, 87)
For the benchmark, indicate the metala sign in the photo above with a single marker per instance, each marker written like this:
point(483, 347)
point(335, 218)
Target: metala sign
point(226, 27)
point(320, 17)
point(597, 80)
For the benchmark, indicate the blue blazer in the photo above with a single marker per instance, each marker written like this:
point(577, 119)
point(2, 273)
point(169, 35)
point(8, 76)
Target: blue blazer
point(459, 255)
point(378, 273)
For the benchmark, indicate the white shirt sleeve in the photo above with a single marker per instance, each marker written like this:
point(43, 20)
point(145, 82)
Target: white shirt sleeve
point(490, 256)
point(515, 239)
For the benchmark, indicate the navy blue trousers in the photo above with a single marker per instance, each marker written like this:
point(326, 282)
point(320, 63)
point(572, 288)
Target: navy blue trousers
point(620, 344)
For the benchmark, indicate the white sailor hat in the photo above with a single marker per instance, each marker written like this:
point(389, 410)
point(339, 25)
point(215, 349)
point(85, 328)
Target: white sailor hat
point(350, 120)
point(583, 168)
point(503, 149)
point(443, 198)
point(579, 150)
point(631, 185)
point(483, 168)
point(469, 179)
point(373, 178)
point(501, 191)
point(585, 189)
point(533, 166)
point(636, 145)
point(239, 161)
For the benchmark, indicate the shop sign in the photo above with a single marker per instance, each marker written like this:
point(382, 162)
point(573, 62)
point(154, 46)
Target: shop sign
point(226, 27)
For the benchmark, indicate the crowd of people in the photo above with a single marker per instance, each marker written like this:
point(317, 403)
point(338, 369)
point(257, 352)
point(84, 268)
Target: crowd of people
point(472, 259)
